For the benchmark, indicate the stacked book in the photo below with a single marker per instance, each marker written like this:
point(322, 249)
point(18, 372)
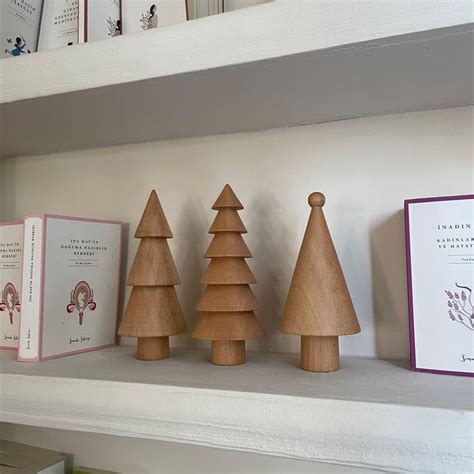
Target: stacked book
point(59, 285)
point(27, 26)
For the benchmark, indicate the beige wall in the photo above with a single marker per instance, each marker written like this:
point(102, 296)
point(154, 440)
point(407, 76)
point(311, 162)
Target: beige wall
point(366, 168)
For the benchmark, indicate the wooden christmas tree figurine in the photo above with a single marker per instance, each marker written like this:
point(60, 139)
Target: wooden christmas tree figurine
point(228, 303)
point(318, 307)
point(153, 312)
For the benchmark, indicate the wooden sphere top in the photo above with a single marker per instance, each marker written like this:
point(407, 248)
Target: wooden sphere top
point(316, 199)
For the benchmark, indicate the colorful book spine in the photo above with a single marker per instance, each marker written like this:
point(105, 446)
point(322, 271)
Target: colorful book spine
point(31, 288)
point(70, 286)
point(11, 258)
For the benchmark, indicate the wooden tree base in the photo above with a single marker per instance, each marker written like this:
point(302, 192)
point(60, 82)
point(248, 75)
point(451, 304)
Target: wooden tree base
point(228, 352)
point(320, 353)
point(153, 348)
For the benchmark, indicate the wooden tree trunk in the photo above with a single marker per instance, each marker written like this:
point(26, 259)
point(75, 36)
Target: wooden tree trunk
point(228, 352)
point(153, 348)
point(320, 353)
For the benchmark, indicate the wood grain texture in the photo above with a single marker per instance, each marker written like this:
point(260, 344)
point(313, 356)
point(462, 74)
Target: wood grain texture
point(227, 198)
point(153, 222)
point(318, 303)
point(153, 348)
point(231, 298)
point(320, 353)
point(228, 303)
point(228, 352)
point(227, 270)
point(227, 244)
point(153, 264)
point(227, 220)
point(152, 311)
point(236, 326)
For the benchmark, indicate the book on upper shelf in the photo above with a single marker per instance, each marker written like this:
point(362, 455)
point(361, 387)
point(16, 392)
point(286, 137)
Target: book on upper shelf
point(22, 458)
point(203, 8)
point(59, 24)
point(142, 15)
point(19, 27)
point(11, 258)
point(99, 19)
point(70, 286)
point(440, 271)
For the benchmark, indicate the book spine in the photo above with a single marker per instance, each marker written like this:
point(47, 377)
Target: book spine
point(29, 347)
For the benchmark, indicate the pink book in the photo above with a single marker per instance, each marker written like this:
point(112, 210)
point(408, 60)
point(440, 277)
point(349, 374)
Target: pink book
point(11, 258)
point(70, 286)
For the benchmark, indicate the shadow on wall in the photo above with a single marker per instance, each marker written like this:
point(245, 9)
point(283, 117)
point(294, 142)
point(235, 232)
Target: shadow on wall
point(191, 230)
point(7, 195)
point(387, 248)
point(123, 274)
point(271, 260)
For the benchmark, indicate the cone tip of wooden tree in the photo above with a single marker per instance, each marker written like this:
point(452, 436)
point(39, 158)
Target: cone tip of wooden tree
point(316, 199)
point(153, 222)
point(227, 198)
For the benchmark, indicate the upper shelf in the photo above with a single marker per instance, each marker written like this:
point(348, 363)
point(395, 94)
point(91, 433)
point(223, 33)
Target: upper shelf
point(277, 64)
point(371, 413)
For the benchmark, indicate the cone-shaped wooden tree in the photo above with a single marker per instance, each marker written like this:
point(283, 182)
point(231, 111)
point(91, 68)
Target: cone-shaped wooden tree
point(318, 307)
point(153, 312)
point(228, 303)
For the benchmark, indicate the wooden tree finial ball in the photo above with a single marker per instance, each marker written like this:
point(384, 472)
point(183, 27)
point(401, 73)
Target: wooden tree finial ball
point(316, 200)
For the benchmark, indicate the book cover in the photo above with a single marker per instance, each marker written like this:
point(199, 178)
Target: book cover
point(203, 8)
point(70, 286)
point(59, 24)
point(19, 26)
point(142, 15)
point(11, 258)
point(99, 19)
point(440, 271)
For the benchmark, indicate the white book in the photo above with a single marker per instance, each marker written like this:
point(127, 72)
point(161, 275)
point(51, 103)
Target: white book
point(440, 268)
point(19, 27)
point(59, 24)
point(203, 8)
point(99, 19)
point(142, 15)
point(70, 286)
point(11, 259)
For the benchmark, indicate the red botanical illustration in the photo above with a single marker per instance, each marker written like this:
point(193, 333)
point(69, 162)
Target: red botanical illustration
point(82, 298)
point(10, 301)
point(460, 306)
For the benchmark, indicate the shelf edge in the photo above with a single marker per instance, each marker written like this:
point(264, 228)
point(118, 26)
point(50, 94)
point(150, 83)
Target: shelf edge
point(392, 437)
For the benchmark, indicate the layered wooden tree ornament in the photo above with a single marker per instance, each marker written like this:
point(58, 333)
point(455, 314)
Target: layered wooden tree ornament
point(228, 304)
point(318, 307)
point(153, 311)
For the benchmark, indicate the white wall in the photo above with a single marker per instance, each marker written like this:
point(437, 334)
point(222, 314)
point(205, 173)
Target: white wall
point(366, 168)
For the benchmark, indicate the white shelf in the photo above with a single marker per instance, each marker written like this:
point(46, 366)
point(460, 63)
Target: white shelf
point(274, 65)
point(371, 413)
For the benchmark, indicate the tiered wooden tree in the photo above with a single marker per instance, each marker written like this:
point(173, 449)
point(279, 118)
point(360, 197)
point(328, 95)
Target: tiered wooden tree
point(318, 307)
point(153, 312)
point(228, 303)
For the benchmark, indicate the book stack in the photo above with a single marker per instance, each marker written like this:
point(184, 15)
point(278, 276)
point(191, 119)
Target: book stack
point(59, 283)
point(27, 26)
